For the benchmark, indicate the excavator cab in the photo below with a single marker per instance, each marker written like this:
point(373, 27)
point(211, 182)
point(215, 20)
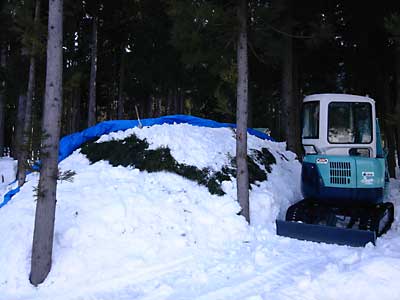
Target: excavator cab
point(344, 174)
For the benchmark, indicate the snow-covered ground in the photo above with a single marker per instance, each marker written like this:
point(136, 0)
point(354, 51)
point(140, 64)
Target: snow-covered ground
point(8, 169)
point(125, 234)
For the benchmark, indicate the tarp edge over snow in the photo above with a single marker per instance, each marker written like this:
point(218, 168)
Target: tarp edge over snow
point(70, 143)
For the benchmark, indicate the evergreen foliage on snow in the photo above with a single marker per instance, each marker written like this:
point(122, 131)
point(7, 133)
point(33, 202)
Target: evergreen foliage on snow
point(135, 152)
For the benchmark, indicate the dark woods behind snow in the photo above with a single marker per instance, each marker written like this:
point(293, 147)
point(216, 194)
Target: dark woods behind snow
point(179, 57)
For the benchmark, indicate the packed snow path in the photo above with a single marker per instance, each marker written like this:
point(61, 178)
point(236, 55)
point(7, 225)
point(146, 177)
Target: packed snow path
point(125, 234)
point(224, 280)
point(279, 269)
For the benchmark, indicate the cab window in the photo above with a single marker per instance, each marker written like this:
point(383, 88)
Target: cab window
point(349, 123)
point(311, 120)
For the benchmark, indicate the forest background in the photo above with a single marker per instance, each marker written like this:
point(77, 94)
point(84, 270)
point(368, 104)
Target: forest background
point(150, 58)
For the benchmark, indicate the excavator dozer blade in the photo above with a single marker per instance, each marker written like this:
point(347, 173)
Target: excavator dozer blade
point(325, 234)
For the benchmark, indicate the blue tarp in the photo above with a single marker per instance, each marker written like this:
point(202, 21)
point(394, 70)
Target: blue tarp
point(70, 143)
point(8, 196)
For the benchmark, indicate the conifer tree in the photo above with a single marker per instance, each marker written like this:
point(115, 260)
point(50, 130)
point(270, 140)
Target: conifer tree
point(393, 25)
point(43, 235)
point(2, 98)
point(242, 112)
point(27, 127)
point(93, 75)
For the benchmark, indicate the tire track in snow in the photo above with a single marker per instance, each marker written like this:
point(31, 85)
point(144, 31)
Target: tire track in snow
point(99, 289)
point(151, 283)
point(265, 284)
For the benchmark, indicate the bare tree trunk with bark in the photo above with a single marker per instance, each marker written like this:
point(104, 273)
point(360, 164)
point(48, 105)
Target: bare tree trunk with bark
point(290, 105)
point(93, 73)
point(27, 131)
point(242, 113)
point(169, 102)
point(397, 106)
point(2, 100)
point(19, 130)
point(296, 145)
point(397, 138)
point(181, 104)
point(149, 106)
point(23, 159)
point(387, 126)
point(120, 105)
point(176, 102)
point(75, 109)
point(42, 246)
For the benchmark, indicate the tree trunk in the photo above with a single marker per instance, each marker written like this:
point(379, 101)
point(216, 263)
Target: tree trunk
point(46, 203)
point(249, 109)
point(397, 138)
point(297, 106)
point(290, 106)
point(181, 105)
point(120, 105)
point(76, 111)
point(93, 73)
point(36, 134)
point(149, 106)
point(397, 106)
point(168, 109)
point(391, 156)
point(159, 106)
point(176, 102)
point(26, 134)
point(242, 113)
point(2, 124)
point(142, 106)
point(156, 108)
point(23, 159)
point(2, 100)
point(388, 128)
point(19, 132)
point(287, 86)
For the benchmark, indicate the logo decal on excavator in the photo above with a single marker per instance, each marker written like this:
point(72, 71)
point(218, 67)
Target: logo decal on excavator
point(323, 161)
point(367, 177)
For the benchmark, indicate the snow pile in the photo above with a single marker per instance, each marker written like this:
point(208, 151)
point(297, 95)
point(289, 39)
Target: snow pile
point(121, 220)
point(126, 234)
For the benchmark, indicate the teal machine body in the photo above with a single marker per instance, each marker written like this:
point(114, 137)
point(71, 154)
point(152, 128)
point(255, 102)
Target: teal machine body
point(344, 174)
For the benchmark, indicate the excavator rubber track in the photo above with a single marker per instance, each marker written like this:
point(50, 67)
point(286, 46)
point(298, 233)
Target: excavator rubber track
point(352, 226)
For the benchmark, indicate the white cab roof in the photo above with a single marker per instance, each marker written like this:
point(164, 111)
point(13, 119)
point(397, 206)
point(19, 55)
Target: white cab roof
point(338, 98)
